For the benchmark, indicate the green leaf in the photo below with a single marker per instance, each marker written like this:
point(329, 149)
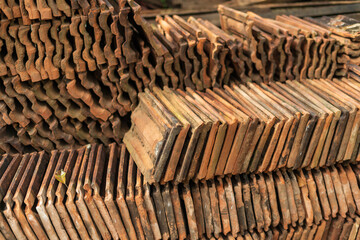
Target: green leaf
point(61, 176)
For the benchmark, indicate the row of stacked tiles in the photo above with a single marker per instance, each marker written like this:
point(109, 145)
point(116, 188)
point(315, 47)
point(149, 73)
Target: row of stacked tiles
point(103, 196)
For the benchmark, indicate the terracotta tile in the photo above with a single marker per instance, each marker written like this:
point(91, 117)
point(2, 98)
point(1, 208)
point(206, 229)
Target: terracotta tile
point(60, 196)
point(271, 123)
point(336, 227)
point(80, 194)
point(327, 227)
point(121, 191)
point(330, 192)
point(312, 232)
point(305, 126)
point(74, 31)
point(160, 211)
point(163, 124)
point(233, 139)
point(230, 197)
point(343, 207)
point(347, 190)
point(206, 204)
point(169, 210)
point(283, 233)
point(8, 168)
point(240, 204)
point(30, 196)
point(265, 203)
point(255, 235)
point(190, 212)
point(309, 213)
point(150, 207)
point(353, 184)
point(313, 197)
point(298, 199)
point(262, 235)
point(197, 125)
point(349, 138)
point(269, 234)
point(71, 194)
point(242, 142)
point(291, 199)
point(98, 196)
point(88, 193)
point(51, 197)
point(322, 148)
point(256, 200)
point(140, 204)
point(320, 229)
point(289, 125)
point(202, 141)
point(283, 199)
point(20, 192)
point(130, 199)
point(179, 212)
point(195, 99)
point(276, 233)
point(298, 232)
point(224, 210)
point(305, 234)
point(354, 230)
point(109, 199)
point(270, 184)
point(323, 197)
point(8, 198)
point(213, 150)
point(281, 130)
point(307, 149)
point(346, 229)
point(246, 152)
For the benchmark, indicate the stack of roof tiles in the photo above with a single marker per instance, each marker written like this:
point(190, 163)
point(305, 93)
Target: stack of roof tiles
point(346, 31)
point(230, 135)
point(181, 135)
point(289, 47)
point(106, 197)
point(71, 74)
